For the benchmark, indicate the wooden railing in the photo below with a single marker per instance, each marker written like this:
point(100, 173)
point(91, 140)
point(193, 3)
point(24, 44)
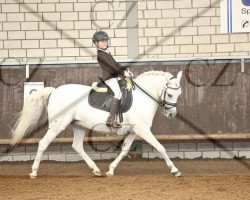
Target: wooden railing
point(186, 137)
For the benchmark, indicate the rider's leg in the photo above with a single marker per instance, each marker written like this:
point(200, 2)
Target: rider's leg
point(114, 86)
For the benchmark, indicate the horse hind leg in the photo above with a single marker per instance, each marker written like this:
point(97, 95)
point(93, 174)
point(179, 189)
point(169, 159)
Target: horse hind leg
point(43, 144)
point(125, 149)
point(77, 145)
point(56, 127)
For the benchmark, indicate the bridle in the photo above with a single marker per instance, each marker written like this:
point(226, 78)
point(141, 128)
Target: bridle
point(167, 105)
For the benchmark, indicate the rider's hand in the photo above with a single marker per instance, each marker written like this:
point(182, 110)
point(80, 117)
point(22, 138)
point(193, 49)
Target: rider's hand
point(128, 74)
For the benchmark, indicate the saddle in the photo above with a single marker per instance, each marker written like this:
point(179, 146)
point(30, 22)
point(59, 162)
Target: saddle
point(101, 96)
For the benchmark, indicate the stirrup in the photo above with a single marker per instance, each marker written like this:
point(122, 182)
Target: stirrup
point(113, 124)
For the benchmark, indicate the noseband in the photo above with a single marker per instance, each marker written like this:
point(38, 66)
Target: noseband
point(168, 105)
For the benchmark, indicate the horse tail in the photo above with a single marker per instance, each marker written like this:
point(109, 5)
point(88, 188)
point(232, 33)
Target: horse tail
point(33, 108)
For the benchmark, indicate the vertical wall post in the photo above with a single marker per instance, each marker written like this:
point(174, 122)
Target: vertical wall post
point(132, 28)
point(242, 65)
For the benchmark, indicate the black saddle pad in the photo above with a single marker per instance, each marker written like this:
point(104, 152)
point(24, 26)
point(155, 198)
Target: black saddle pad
point(102, 100)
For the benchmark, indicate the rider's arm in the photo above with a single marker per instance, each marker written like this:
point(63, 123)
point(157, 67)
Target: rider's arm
point(110, 64)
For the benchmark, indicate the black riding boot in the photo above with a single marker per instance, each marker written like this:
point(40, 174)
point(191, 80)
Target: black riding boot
point(111, 122)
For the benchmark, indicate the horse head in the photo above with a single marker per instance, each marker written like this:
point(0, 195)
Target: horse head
point(170, 95)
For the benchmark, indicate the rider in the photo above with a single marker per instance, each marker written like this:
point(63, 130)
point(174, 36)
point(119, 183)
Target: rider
point(111, 70)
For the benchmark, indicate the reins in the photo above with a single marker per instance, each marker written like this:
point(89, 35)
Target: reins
point(161, 103)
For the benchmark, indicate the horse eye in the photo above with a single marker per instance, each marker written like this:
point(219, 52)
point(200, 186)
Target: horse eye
point(170, 95)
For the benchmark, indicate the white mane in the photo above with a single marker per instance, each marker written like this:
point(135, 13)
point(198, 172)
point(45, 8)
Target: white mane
point(150, 76)
point(167, 75)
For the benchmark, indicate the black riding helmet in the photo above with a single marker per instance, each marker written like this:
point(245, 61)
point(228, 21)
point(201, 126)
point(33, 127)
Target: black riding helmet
point(100, 35)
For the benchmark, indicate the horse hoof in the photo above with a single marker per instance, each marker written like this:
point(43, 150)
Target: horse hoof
point(97, 173)
point(32, 176)
point(177, 174)
point(109, 174)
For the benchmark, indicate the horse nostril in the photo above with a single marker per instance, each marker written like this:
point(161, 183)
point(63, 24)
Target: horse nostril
point(171, 115)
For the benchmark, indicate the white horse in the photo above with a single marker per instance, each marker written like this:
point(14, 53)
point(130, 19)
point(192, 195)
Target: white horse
point(68, 104)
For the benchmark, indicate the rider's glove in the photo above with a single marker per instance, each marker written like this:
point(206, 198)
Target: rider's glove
point(128, 74)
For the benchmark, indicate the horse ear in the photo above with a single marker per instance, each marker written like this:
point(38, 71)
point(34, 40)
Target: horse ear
point(179, 75)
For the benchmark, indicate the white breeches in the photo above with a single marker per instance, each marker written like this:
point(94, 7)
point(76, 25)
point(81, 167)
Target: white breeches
point(114, 86)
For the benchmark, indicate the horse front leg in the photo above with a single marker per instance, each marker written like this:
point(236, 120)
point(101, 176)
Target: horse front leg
point(125, 149)
point(148, 136)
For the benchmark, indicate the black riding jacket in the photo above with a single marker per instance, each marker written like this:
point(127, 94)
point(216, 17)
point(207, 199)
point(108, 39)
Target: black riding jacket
point(110, 68)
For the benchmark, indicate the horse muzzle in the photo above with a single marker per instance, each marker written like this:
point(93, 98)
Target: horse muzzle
point(170, 112)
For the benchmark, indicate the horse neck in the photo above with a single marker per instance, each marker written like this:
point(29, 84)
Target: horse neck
point(152, 84)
